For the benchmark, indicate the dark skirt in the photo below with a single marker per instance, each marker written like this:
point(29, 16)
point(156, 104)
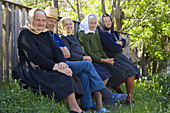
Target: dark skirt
point(118, 74)
point(103, 73)
point(130, 68)
point(49, 82)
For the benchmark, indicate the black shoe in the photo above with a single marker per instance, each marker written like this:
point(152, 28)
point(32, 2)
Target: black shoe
point(71, 111)
point(129, 103)
point(119, 91)
point(86, 109)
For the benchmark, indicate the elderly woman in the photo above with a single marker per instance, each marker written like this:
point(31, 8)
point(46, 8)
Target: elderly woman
point(112, 44)
point(84, 69)
point(90, 41)
point(42, 64)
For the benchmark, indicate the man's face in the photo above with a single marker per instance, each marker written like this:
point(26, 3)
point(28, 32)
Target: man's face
point(51, 23)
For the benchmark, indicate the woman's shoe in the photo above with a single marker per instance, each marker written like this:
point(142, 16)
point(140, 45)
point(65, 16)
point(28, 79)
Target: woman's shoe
point(71, 111)
point(129, 103)
point(119, 91)
point(115, 98)
point(104, 110)
point(118, 97)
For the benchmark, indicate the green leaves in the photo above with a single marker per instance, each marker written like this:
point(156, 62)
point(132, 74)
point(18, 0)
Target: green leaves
point(14, 99)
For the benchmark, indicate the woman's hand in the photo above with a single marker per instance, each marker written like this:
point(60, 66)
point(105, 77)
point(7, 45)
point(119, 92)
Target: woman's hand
point(88, 58)
point(120, 42)
point(62, 65)
point(108, 60)
point(67, 71)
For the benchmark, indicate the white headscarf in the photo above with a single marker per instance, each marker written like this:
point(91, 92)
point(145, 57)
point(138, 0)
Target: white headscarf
point(84, 25)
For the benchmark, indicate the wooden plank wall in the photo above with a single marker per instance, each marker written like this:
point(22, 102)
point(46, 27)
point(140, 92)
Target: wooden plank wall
point(12, 17)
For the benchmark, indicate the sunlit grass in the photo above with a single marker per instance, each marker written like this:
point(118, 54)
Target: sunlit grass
point(150, 95)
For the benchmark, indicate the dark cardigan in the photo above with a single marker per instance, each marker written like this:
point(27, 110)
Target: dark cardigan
point(109, 44)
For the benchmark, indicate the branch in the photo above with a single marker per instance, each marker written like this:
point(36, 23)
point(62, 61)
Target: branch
point(84, 4)
point(127, 25)
point(71, 6)
point(147, 18)
point(122, 3)
point(143, 16)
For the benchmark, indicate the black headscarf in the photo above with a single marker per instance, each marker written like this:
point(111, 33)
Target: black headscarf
point(102, 23)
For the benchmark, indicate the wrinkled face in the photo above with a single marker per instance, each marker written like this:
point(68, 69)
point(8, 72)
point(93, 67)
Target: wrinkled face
point(68, 26)
point(107, 22)
point(39, 22)
point(92, 24)
point(51, 23)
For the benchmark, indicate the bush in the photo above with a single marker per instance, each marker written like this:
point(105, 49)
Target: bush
point(14, 99)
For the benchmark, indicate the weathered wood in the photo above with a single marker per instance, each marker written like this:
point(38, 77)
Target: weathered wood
point(16, 4)
point(7, 42)
point(76, 26)
point(16, 33)
point(23, 16)
point(1, 47)
point(12, 36)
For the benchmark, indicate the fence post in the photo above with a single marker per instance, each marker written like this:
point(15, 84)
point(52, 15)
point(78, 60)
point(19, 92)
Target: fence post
point(1, 48)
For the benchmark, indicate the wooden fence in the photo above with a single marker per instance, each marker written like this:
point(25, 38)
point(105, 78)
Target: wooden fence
point(12, 17)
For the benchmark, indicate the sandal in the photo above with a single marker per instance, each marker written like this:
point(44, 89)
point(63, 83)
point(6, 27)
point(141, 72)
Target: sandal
point(104, 110)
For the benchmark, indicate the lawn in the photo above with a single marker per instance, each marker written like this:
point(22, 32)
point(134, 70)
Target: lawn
point(151, 96)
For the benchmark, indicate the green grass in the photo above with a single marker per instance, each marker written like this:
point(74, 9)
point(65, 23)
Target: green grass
point(151, 96)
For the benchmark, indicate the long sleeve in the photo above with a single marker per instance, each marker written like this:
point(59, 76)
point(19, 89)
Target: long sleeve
point(58, 54)
point(123, 40)
point(73, 55)
point(31, 51)
point(91, 45)
point(108, 43)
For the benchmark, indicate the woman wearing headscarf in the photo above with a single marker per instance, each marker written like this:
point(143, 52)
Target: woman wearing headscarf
point(112, 45)
point(42, 65)
point(90, 41)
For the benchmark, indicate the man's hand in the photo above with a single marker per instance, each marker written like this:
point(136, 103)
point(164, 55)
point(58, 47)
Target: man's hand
point(88, 58)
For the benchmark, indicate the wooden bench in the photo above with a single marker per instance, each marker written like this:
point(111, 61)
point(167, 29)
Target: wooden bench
point(12, 17)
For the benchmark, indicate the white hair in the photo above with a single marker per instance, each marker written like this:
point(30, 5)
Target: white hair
point(92, 16)
point(39, 12)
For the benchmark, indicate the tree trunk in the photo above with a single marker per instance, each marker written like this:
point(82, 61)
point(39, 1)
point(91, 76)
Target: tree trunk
point(55, 4)
point(78, 11)
point(103, 6)
point(154, 67)
point(117, 15)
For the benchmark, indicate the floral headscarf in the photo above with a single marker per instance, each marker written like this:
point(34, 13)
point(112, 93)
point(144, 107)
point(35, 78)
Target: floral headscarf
point(31, 20)
point(84, 25)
